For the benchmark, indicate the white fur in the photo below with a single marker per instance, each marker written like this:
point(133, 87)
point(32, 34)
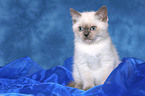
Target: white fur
point(93, 62)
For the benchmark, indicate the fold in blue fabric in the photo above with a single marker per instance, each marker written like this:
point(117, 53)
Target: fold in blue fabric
point(25, 77)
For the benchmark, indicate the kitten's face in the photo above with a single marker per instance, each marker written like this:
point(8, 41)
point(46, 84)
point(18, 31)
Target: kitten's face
point(90, 26)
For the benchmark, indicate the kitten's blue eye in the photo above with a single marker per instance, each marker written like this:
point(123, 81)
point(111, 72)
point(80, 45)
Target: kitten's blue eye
point(80, 28)
point(93, 28)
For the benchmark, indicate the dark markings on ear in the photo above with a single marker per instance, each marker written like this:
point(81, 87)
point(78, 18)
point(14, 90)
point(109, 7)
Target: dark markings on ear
point(75, 15)
point(102, 13)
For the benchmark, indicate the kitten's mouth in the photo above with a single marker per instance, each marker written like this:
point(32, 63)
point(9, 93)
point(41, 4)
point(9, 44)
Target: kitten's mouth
point(87, 40)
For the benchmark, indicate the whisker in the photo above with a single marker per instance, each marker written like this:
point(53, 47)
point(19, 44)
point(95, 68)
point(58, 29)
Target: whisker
point(70, 45)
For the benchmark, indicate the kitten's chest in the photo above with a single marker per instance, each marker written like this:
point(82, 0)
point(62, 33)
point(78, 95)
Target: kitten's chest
point(90, 55)
point(92, 50)
point(93, 62)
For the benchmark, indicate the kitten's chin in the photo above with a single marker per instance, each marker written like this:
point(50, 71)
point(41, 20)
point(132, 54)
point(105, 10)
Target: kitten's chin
point(88, 41)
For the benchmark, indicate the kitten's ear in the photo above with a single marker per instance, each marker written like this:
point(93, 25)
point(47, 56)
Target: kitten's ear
point(102, 14)
point(75, 15)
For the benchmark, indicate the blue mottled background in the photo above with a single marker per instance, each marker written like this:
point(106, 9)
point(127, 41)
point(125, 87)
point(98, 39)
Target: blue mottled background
point(41, 29)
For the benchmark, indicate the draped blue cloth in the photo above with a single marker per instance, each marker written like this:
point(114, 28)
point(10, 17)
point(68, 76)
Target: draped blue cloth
point(25, 77)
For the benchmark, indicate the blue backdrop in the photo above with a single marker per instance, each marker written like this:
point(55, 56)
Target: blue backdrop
point(42, 29)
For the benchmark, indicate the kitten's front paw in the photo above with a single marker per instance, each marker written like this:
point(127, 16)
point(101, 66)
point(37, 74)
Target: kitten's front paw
point(87, 87)
point(79, 86)
point(71, 84)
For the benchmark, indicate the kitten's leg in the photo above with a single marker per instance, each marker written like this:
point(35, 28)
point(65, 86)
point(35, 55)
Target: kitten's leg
point(106, 73)
point(77, 77)
point(88, 80)
point(107, 68)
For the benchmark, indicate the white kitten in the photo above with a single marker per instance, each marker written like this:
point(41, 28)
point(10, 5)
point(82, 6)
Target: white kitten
point(94, 54)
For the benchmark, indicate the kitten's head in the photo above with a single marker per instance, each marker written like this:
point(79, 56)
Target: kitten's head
point(90, 27)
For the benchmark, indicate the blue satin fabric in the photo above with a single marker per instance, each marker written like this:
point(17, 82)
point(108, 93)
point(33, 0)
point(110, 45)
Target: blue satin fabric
point(25, 77)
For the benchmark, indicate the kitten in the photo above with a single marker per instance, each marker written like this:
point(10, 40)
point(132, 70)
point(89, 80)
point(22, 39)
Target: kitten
point(94, 54)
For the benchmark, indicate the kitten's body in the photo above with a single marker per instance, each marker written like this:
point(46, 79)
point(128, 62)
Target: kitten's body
point(94, 54)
